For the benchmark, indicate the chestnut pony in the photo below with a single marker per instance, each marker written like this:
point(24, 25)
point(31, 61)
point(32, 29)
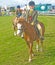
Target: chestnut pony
point(31, 35)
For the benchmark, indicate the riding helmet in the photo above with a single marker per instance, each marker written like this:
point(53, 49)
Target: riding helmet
point(31, 3)
point(18, 6)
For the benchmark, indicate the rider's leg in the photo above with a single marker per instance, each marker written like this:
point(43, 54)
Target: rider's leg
point(39, 31)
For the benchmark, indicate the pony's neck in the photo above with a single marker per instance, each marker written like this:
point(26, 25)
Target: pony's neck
point(26, 26)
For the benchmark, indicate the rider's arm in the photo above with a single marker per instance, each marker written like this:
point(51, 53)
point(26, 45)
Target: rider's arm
point(35, 16)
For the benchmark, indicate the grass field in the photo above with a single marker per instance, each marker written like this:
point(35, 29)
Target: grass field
point(14, 50)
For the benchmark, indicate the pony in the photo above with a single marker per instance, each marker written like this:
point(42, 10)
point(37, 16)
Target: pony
point(30, 35)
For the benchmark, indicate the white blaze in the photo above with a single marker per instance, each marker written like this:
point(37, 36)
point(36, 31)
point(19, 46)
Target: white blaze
point(18, 27)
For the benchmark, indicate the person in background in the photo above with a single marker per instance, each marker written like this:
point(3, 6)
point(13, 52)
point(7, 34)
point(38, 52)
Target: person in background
point(18, 11)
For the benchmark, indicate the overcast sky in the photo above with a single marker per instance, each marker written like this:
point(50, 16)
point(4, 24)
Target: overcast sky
point(17, 2)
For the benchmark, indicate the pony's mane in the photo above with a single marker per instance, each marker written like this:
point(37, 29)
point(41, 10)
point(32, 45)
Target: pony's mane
point(21, 19)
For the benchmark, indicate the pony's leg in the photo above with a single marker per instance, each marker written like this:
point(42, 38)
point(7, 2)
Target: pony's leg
point(30, 52)
point(37, 46)
point(41, 45)
point(15, 33)
point(29, 47)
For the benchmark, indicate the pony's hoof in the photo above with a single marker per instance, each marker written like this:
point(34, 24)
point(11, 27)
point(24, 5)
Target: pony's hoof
point(30, 60)
point(14, 34)
point(37, 50)
point(41, 50)
point(32, 55)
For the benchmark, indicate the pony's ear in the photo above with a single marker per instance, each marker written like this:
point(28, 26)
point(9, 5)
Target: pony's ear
point(17, 20)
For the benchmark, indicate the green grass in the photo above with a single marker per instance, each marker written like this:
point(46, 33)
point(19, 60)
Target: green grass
point(14, 50)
